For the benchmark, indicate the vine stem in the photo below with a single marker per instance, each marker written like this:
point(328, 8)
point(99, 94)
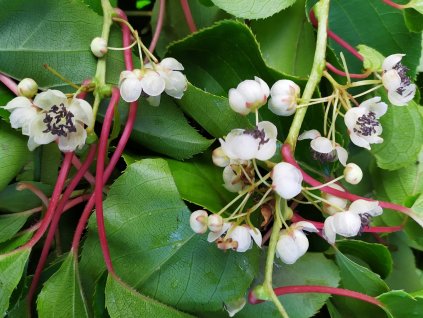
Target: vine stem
point(9, 83)
point(88, 176)
point(188, 16)
point(333, 69)
point(31, 187)
point(126, 40)
point(288, 157)
point(320, 290)
point(56, 219)
point(318, 67)
point(394, 5)
point(159, 25)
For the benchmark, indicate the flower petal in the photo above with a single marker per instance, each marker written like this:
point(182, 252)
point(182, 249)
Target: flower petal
point(73, 140)
point(213, 236)
point(154, 100)
point(309, 134)
point(391, 80)
point(48, 99)
point(175, 84)
point(364, 206)
point(36, 131)
point(402, 99)
point(171, 64)
point(322, 145)
point(329, 230)
point(130, 89)
point(305, 226)
point(152, 83)
point(358, 141)
point(347, 223)
point(391, 61)
point(286, 249)
point(18, 102)
point(256, 235)
point(82, 111)
point(342, 155)
point(22, 117)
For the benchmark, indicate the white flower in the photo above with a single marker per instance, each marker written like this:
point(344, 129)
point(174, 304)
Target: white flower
point(98, 47)
point(284, 94)
point(324, 149)
point(287, 180)
point(350, 223)
point(248, 96)
point(133, 83)
point(232, 178)
point(27, 88)
point(169, 70)
point(52, 116)
point(238, 237)
point(219, 157)
point(363, 124)
point(395, 79)
point(353, 173)
point(338, 204)
point(293, 243)
point(259, 143)
point(198, 221)
point(215, 223)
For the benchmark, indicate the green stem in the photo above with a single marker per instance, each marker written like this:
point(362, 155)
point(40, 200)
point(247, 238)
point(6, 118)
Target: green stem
point(319, 63)
point(268, 273)
point(100, 75)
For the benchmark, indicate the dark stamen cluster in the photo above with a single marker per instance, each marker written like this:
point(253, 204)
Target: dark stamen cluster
point(53, 121)
point(366, 219)
point(258, 134)
point(402, 72)
point(323, 157)
point(366, 124)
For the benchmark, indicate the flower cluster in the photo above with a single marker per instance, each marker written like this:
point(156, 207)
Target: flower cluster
point(51, 116)
point(152, 80)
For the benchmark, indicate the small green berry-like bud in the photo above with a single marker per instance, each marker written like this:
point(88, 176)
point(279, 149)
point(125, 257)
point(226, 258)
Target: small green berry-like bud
point(27, 88)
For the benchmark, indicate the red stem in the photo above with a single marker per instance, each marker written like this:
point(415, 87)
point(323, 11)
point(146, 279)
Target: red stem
point(29, 186)
point(288, 157)
point(320, 290)
point(63, 205)
point(88, 176)
point(333, 69)
point(159, 26)
point(188, 16)
point(337, 39)
point(9, 83)
point(126, 40)
point(393, 4)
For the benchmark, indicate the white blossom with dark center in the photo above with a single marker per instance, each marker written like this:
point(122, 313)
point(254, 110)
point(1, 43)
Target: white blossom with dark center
point(395, 79)
point(50, 117)
point(363, 123)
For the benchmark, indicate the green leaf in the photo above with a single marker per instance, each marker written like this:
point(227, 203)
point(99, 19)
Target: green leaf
point(5, 96)
point(405, 274)
point(375, 24)
point(12, 200)
point(95, 5)
point(62, 294)
point(373, 60)
point(11, 268)
point(175, 26)
point(413, 20)
point(57, 33)
point(311, 269)
point(211, 112)
point(50, 162)
point(200, 182)
point(416, 5)
point(152, 244)
point(15, 242)
point(377, 256)
point(10, 224)
point(290, 49)
point(13, 154)
point(401, 305)
point(358, 278)
point(248, 9)
point(403, 137)
point(123, 301)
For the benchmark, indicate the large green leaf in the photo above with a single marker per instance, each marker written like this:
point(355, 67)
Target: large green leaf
point(403, 137)
point(13, 200)
point(358, 278)
point(401, 305)
point(57, 33)
point(253, 9)
point(287, 40)
point(123, 301)
point(175, 26)
point(62, 294)
point(13, 154)
point(11, 269)
point(375, 24)
point(154, 249)
point(10, 224)
point(377, 256)
point(311, 269)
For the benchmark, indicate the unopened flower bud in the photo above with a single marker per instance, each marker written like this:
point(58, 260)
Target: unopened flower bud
point(27, 88)
point(99, 46)
point(284, 94)
point(198, 221)
point(338, 204)
point(219, 157)
point(215, 223)
point(353, 173)
point(248, 96)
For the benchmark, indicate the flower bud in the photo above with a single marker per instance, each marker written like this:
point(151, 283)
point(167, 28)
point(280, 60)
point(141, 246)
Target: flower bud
point(219, 157)
point(353, 173)
point(99, 46)
point(215, 223)
point(284, 94)
point(287, 180)
point(336, 201)
point(27, 88)
point(198, 221)
point(248, 96)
